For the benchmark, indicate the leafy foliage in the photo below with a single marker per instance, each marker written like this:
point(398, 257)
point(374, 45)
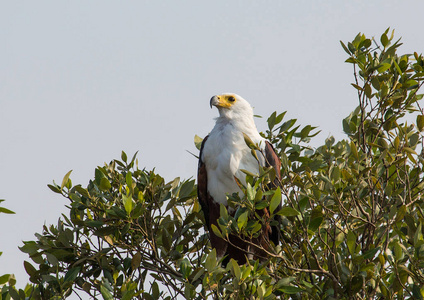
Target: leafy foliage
point(128, 227)
point(352, 219)
point(8, 281)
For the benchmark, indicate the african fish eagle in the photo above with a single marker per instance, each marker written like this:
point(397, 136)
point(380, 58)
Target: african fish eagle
point(223, 155)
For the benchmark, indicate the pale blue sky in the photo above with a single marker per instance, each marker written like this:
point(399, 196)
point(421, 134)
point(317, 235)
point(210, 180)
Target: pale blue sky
point(82, 80)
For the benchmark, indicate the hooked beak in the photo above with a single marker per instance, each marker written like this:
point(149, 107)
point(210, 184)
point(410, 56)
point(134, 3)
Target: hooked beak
point(214, 101)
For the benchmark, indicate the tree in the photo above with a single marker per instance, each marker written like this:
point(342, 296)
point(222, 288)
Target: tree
point(352, 215)
point(8, 281)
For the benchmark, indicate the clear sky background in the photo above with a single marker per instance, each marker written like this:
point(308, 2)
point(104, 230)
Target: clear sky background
point(82, 80)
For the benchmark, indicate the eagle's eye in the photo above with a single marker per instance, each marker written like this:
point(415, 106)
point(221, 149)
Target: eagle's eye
point(231, 99)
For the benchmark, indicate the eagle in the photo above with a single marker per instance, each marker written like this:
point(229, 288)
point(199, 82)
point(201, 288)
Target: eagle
point(223, 155)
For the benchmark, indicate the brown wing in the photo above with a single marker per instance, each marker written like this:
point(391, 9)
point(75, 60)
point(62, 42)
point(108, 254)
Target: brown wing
point(202, 185)
point(273, 160)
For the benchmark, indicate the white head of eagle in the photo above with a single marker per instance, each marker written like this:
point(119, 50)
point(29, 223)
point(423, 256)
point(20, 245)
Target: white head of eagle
point(224, 153)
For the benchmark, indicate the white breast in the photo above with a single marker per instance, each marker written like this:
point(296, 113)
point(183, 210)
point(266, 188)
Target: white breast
point(225, 153)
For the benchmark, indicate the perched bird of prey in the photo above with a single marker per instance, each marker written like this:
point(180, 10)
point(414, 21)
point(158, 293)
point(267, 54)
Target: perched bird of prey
point(223, 154)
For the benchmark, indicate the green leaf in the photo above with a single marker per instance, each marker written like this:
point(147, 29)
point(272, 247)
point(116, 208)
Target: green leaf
point(303, 203)
point(257, 226)
point(12, 280)
point(124, 156)
point(82, 191)
point(288, 212)
point(261, 205)
point(305, 131)
point(371, 253)
point(375, 83)
point(242, 219)
point(198, 142)
point(140, 196)
point(105, 290)
point(6, 211)
point(166, 238)
point(248, 172)
point(128, 180)
point(128, 295)
point(340, 237)
point(280, 117)
point(13, 293)
point(398, 251)
point(354, 150)
point(418, 236)
point(275, 200)
point(334, 173)
point(211, 258)
point(253, 152)
point(29, 247)
point(155, 290)
point(285, 281)
point(346, 126)
point(401, 213)
point(98, 175)
point(133, 159)
point(104, 184)
point(249, 142)
point(95, 223)
point(65, 180)
point(357, 87)
point(147, 296)
point(31, 271)
point(250, 192)
point(54, 188)
point(186, 189)
point(383, 67)
point(246, 272)
point(351, 47)
point(397, 67)
point(384, 90)
point(128, 203)
point(4, 279)
point(72, 274)
point(368, 91)
point(271, 120)
point(216, 231)
point(409, 150)
point(315, 223)
point(197, 274)
point(287, 125)
point(236, 268)
point(420, 122)
point(351, 242)
point(345, 48)
point(367, 43)
point(223, 212)
point(384, 40)
point(289, 289)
